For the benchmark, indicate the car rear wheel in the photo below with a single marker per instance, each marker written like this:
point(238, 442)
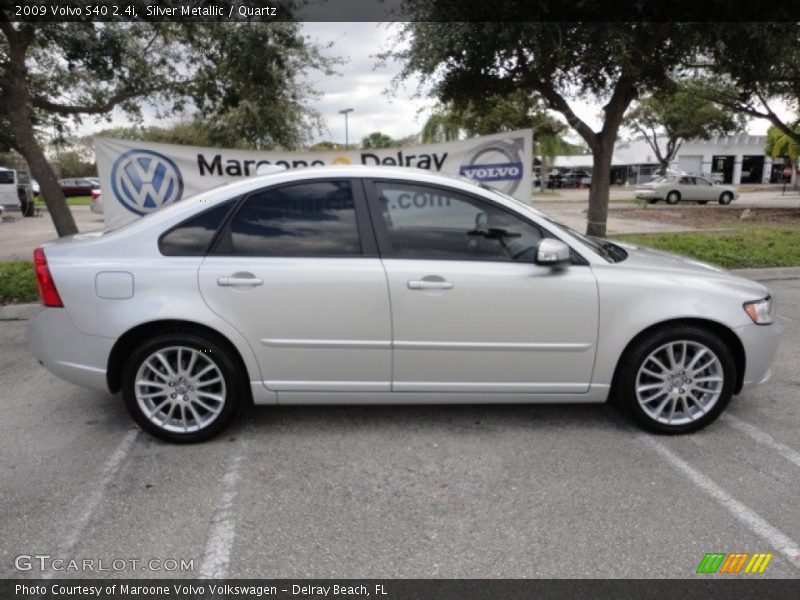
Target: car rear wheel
point(673, 197)
point(725, 198)
point(181, 387)
point(677, 380)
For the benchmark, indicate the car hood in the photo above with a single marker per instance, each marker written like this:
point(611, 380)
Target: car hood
point(648, 259)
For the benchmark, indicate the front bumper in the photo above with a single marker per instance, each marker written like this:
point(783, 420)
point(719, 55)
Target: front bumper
point(760, 345)
point(66, 352)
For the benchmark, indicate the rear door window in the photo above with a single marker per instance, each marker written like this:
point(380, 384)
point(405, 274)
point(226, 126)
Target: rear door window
point(316, 218)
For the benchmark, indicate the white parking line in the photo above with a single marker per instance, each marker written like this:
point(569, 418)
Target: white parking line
point(107, 474)
point(762, 437)
point(781, 542)
point(220, 541)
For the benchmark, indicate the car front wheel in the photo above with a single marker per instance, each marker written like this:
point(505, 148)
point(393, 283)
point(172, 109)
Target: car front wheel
point(677, 380)
point(673, 197)
point(725, 198)
point(181, 387)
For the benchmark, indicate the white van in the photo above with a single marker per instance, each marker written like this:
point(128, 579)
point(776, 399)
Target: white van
point(15, 191)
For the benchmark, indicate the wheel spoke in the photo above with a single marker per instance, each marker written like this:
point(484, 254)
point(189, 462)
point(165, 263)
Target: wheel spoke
point(707, 365)
point(661, 376)
point(157, 408)
point(216, 397)
point(195, 414)
point(671, 356)
point(700, 354)
point(205, 406)
point(672, 406)
point(649, 386)
point(156, 371)
point(151, 383)
point(660, 364)
point(206, 370)
point(163, 360)
point(685, 407)
point(202, 384)
point(660, 408)
point(192, 361)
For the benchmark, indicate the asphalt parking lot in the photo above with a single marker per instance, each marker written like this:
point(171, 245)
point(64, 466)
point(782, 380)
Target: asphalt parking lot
point(452, 491)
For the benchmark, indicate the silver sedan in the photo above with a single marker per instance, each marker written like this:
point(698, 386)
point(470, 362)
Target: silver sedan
point(383, 285)
point(686, 188)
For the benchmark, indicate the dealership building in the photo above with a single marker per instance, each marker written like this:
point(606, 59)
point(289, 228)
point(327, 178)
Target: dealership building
point(736, 159)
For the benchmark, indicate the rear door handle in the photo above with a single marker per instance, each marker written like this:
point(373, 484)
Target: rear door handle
point(422, 284)
point(239, 279)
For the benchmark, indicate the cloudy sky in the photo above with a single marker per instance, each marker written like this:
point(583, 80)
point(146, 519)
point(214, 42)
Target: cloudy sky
point(366, 87)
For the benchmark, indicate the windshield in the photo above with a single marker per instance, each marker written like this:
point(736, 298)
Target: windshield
point(664, 178)
point(606, 249)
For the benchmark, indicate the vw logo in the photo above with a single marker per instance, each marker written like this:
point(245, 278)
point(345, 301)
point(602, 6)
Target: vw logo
point(145, 181)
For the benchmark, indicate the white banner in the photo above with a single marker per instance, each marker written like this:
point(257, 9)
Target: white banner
point(137, 178)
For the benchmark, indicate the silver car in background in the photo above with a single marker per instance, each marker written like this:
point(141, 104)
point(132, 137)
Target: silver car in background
point(385, 285)
point(686, 188)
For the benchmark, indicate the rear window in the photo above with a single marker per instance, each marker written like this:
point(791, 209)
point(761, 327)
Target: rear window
point(6, 177)
point(307, 219)
point(194, 236)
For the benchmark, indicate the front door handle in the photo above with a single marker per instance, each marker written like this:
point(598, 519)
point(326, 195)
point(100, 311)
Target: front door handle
point(244, 279)
point(425, 284)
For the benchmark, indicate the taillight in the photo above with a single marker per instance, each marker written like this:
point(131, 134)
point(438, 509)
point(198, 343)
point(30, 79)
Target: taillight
point(47, 287)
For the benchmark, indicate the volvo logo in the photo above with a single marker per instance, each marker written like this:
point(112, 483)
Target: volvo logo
point(145, 181)
point(497, 163)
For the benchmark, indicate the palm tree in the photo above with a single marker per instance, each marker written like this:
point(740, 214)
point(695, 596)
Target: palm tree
point(781, 144)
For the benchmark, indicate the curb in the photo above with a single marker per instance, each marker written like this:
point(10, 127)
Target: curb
point(18, 312)
point(773, 274)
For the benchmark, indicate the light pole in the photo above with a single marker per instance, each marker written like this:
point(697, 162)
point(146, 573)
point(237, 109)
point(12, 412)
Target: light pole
point(345, 112)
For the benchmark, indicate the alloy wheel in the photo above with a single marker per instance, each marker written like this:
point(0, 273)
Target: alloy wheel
point(180, 389)
point(679, 382)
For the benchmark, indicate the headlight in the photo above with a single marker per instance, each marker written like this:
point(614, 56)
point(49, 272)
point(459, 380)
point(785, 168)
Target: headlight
point(760, 311)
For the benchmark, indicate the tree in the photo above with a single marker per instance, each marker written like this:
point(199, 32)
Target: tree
point(675, 114)
point(615, 61)
point(241, 79)
point(780, 145)
point(73, 165)
point(376, 139)
point(441, 126)
point(497, 113)
point(325, 146)
point(749, 66)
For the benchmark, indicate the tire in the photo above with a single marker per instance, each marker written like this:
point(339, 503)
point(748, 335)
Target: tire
point(184, 411)
point(676, 403)
point(725, 198)
point(673, 197)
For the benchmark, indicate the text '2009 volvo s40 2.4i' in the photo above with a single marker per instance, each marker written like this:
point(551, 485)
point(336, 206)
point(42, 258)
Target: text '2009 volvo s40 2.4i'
point(384, 285)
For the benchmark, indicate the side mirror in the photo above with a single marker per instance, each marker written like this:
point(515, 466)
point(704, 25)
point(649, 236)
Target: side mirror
point(552, 253)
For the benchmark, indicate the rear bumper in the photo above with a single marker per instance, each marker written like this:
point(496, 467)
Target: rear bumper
point(760, 345)
point(67, 353)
